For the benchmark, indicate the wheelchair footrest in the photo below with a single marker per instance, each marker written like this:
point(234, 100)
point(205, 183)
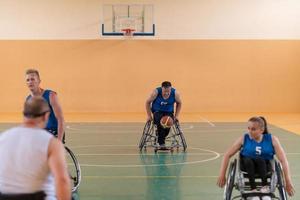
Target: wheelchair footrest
point(257, 194)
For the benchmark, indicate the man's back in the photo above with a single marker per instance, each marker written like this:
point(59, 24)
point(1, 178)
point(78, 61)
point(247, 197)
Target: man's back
point(23, 155)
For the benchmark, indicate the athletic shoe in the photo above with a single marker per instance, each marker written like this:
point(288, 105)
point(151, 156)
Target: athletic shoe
point(266, 198)
point(265, 189)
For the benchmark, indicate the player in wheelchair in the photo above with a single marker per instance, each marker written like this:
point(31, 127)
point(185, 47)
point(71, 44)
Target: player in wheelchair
point(161, 118)
point(256, 174)
point(55, 123)
point(174, 140)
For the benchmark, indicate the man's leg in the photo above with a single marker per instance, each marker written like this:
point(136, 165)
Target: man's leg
point(160, 130)
point(166, 131)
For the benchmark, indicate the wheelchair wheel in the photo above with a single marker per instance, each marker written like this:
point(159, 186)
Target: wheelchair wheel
point(74, 169)
point(230, 180)
point(146, 132)
point(184, 145)
point(183, 141)
point(280, 181)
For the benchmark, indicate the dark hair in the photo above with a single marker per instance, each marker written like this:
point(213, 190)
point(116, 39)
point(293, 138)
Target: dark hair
point(35, 107)
point(32, 71)
point(166, 84)
point(262, 123)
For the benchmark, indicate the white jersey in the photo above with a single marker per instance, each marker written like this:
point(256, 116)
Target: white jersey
point(23, 162)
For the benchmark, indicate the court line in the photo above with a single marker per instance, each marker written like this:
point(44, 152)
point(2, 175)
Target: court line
point(295, 153)
point(217, 155)
point(104, 145)
point(119, 125)
point(139, 177)
point(133, 154)
point(145, 177)
point(189, 131)
point(219, 131)
point(187, 128)
point(100, 131)
point(206, 120)
point(122, 131)
point(132, 145)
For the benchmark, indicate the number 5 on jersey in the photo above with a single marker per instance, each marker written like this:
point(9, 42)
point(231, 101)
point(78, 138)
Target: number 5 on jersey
point(258, 150)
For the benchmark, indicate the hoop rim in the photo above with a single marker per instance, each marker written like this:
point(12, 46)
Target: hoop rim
point(128, 31)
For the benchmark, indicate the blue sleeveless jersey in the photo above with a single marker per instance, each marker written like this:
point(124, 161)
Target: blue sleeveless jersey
point(52, 122)
point(164, 105)
point(263, 149)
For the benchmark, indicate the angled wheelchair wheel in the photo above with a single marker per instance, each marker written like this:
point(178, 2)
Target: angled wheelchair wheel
point(280, 181)
point(73, 168)
point(182, 138)
point(230, 180)
point(145, 134)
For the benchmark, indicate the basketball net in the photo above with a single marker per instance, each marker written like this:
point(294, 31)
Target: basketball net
point(128, 32)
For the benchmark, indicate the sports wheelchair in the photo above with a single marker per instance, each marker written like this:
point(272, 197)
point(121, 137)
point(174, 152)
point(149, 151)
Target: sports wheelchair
point(238, 179)
point(175, 139)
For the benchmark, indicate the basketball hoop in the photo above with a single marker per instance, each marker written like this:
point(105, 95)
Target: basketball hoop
point(128, 32)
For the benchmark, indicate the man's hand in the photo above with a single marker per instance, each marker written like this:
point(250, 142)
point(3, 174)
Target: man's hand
point(290, 188)
point(149, 118)
point(176, 119)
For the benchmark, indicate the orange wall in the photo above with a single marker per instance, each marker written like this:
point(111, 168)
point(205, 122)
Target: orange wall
point(118, 75)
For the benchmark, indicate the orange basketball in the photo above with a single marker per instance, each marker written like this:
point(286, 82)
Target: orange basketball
point(166, 121)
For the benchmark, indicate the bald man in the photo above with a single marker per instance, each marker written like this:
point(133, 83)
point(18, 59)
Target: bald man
point(30, 158)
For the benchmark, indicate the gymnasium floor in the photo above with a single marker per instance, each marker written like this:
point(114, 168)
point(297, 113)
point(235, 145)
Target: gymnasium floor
point(113, 167)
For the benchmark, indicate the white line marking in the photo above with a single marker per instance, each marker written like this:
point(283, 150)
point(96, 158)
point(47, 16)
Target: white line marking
point(206, 120)
point(74, 129)
point(187, 128)
point(141, 177)
point(132, 145)
point(285, 153)
point(101, 129)
point(134, 154)
point(104, 145)
point(217, 155)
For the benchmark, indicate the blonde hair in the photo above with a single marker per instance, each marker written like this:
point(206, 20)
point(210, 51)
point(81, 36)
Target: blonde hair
point(32, 71)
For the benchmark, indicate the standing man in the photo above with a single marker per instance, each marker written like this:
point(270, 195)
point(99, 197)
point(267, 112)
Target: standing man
point(56, 122)
point(29, 154)
point(161, 103)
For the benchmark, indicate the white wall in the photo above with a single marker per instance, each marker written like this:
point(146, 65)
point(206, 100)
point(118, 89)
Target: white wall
point(175, 19)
